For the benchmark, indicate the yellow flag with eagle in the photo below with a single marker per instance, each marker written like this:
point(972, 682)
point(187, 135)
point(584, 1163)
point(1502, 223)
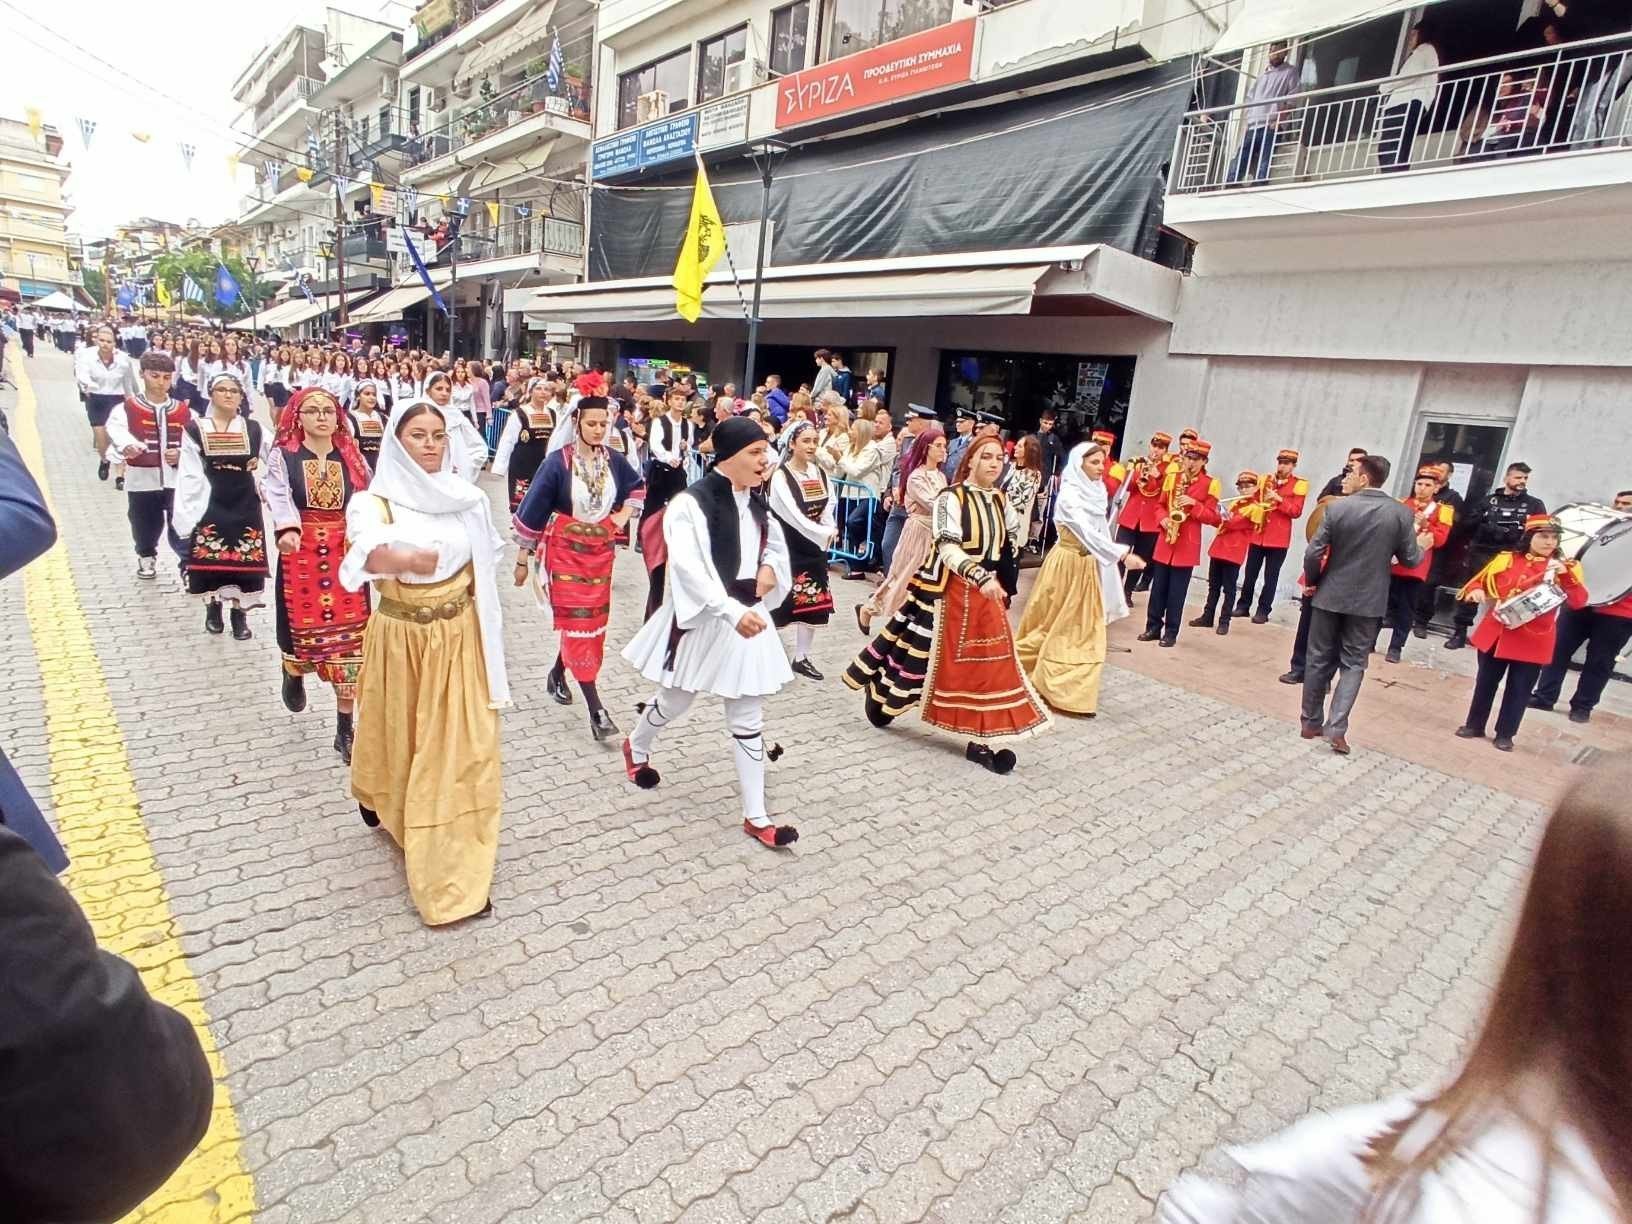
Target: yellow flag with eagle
point(705, 243)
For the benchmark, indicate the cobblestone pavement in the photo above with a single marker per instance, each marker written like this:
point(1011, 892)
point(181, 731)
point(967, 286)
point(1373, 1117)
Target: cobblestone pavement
point(964, 998)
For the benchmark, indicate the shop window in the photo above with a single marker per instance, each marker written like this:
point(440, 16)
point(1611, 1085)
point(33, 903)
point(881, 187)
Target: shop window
point(790, 27)
point(715, 58)
point(855, 25)
point(1087, 392)
point(669, 78)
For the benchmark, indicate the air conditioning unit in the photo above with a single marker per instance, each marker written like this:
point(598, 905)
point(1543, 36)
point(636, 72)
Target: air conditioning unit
point(744, 75)
point(649, 106)
point(388, 88)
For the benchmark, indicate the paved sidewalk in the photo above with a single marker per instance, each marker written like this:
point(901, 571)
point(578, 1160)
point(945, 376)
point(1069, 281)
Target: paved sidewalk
point(963, 998)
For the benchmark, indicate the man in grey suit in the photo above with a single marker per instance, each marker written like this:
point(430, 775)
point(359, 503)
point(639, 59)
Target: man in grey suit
point(1347, 566)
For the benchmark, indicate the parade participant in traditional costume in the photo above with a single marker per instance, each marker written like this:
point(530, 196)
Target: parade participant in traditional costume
point(146, 430)
point(312, 474)
point(1188, 498)
point(275, 377)
point(801, 498)
point(949, 649)
point(1605, 630)
point(368, 418)
point(1140, 522)
point(712, 634)
point(1061, 642)
point(1279, 499)
point(1516, 653)
point(467, 448)
point(1405, 581)
point(526, 440)
point(105, 376)
point(1240, 518)
point(920, 483)
point(218, 509)
point(575, 507)
point(426, 764)
point(189, 384)
point(235, 361)
point(668, 442)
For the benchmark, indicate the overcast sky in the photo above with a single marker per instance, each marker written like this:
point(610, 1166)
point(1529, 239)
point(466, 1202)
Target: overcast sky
point(189, 50)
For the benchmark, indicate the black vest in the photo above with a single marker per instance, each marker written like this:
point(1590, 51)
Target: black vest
point(719, 506)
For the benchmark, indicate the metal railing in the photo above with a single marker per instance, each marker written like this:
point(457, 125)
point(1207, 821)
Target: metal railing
point(301, 87)
point(1530, 104)
point(511, 106)
point(859, 514)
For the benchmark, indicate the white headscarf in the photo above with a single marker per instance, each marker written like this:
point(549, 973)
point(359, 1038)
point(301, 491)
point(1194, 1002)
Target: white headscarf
point(402, 482)
point(1084, 507)
point(467, 449)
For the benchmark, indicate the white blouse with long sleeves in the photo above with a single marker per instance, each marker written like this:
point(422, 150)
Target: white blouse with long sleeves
point(818, 532)
point(192, 481)
point(143, 479)
point(366, 530)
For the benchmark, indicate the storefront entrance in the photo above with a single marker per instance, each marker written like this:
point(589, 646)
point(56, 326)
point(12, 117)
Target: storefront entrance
point(1087, 392)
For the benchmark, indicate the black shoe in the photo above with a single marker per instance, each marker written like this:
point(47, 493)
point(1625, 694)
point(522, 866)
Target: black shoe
point(876, 715)
point(1502, 743)
point(1203, 622)
point(102, 470)
point(1223, 628)
point(240, 625)
point(1419, 631)
point(294, 693)
point(212, 618)
point(119, 483)
point(856, 576)
point(1393, 655)
point(1457, 640)
point(1466, 732)
point(1260, 618)
point(1168, 643)
point(999, 762)
point(343, 736)
point(1580, 716)
point(555, 684)
point(601, 726)
point(1536, 703)
point(1291, 677)
point(1148, 636)
point(369, 817)
point(1242, 611)
point(807, 669)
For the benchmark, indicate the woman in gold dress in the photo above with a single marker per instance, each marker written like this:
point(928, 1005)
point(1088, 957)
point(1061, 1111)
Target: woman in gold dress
point(1061, 642)
point(425, 762)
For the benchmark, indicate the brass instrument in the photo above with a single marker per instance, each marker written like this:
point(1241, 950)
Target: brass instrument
point(1176, 514)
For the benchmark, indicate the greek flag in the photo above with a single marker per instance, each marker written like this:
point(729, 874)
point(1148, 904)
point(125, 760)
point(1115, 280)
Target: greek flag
point(191, 291)
point(558, 66)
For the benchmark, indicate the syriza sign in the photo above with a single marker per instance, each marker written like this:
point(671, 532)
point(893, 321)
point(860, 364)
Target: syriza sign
point(935, 59)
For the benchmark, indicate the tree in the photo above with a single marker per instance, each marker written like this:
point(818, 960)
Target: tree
point(95, 285)
point(200, 265)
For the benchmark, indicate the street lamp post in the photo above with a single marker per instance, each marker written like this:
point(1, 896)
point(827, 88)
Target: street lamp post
point(460, 210)
point(253, 263)
point(326, 250)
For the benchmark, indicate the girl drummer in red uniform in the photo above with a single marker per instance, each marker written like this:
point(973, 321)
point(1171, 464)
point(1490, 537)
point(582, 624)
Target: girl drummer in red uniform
point(1516, 652)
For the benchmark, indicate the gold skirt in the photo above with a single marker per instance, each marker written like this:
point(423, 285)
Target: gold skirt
point(1061, 640)
point(426, 753)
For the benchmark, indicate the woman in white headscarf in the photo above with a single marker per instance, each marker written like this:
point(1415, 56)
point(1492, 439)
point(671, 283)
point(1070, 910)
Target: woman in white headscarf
point(1061, 641)
point(467, 449)
point(425, 761)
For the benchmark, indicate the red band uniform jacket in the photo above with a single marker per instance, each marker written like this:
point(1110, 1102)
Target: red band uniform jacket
point(1508, 573)
point(1185, 552)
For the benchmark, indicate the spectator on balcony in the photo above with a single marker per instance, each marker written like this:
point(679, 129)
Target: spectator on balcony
point(1405, 102)
point(1266, 106)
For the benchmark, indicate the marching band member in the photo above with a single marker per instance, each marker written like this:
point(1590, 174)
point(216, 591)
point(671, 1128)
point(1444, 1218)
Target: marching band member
point(1282, 496)
point(147, 429)
point(1140, 521)
point(1188, 498)
point(1405, 581)
point(1605, 629)
point(1517, 653)
point(1115, 470)
point(1240, 521)
point(575, 504)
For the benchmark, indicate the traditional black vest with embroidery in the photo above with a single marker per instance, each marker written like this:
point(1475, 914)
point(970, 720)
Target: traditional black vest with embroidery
point(315, 499)
point(719, 506)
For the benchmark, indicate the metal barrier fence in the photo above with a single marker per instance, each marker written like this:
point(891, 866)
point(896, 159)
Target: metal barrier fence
point(848, 493)
point(1528, 104)
point(495, 427)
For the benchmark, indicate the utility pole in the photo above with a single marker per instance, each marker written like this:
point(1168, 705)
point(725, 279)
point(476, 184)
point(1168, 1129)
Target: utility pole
point(339, 215)
point(765, 159)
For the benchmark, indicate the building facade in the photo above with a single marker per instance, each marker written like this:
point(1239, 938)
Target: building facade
point(36, 257)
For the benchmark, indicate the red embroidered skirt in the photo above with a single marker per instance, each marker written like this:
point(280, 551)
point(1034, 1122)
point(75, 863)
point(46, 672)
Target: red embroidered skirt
point(578, 557)
point(975, 687)
point(320, 623)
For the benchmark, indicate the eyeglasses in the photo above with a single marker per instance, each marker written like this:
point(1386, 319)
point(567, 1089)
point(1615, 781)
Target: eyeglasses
point(318, 412)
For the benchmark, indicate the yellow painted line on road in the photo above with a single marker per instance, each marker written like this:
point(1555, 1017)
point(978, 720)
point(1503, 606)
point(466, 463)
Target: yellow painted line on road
point(114, 875)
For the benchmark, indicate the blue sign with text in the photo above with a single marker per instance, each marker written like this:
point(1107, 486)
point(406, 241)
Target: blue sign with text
point(664, 141)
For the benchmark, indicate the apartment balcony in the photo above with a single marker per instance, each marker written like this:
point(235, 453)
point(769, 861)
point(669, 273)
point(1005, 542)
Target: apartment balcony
point(1550, 129)
point(367, 248)
point(280, 124)
point(526, 114)
point(297, 90)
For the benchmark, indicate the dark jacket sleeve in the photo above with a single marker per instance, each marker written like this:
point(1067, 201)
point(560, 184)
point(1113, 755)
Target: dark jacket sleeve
point(26, 527)
point(103, 1092)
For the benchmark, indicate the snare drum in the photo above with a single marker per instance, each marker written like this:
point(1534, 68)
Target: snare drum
point(1600, 538)
point(1522, 607)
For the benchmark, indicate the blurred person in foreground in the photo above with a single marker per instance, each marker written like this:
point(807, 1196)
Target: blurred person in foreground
point(1536, 1127)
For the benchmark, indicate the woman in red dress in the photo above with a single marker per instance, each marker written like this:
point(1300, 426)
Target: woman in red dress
point(1517, 652)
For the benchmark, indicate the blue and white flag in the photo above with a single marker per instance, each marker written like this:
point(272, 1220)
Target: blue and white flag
point(303, 282)
point(558, 66)
point(424, 275)
point(127, 297)
point(226, 288)
point(191, 290)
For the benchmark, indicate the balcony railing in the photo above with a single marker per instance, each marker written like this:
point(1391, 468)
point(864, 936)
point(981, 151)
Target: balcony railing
point(1526, 105)
point(300, 88)
point(482, 118)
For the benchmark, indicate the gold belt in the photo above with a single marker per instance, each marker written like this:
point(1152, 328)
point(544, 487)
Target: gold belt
point(422, 614)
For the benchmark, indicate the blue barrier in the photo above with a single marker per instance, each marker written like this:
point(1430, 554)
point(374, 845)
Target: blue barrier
point(848, 493)
point(495, 427)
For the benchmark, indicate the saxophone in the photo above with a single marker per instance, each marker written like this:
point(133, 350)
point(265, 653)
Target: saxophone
point(1176, 514)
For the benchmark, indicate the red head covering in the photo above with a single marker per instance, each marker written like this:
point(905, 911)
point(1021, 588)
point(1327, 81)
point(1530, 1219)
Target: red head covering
point(589, 383)
point(290, 434)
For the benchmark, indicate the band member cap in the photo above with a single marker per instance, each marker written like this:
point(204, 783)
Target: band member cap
point(1245, 477)
point(1286, 456)
point(1161, 439)
point(1541, 522)
point(1103, 436)
point(1199, 447)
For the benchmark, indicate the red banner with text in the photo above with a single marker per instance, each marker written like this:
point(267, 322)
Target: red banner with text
point(935, 59)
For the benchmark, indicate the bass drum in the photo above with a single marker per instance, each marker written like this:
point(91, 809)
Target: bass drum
point(1600, 538)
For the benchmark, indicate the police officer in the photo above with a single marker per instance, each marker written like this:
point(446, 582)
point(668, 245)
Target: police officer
point(1494, 525)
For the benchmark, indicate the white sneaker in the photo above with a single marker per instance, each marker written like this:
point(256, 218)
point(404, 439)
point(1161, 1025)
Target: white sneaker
point(146, 568)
